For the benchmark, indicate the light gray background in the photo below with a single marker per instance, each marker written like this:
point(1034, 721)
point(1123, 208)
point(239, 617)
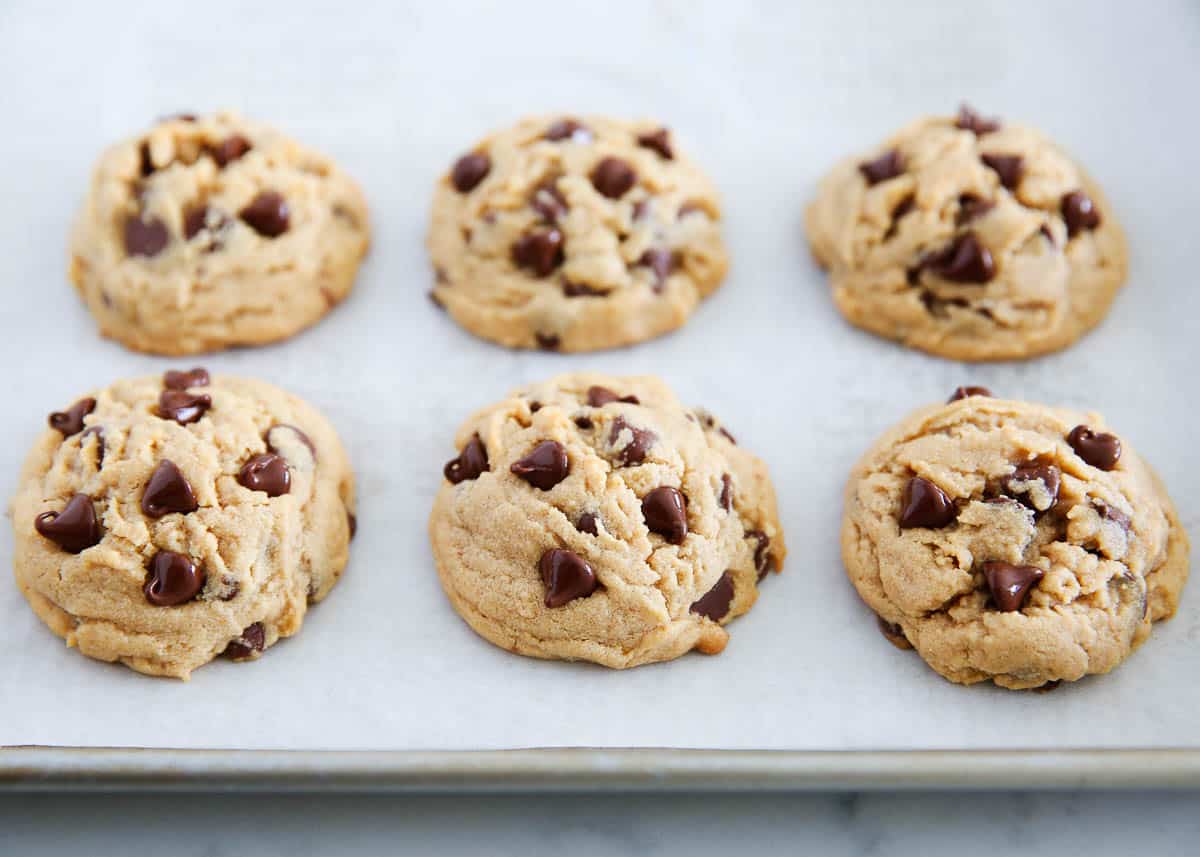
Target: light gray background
point(767, 96)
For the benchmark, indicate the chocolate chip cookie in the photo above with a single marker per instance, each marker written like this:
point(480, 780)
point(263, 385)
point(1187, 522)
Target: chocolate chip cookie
point(595, 518)
point(166, 521)
point(575, 234)
point(1012, 542)
point(210, 232)
point(968, 238)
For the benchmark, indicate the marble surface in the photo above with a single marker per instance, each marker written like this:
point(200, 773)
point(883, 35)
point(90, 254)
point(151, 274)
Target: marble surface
point(931, 825)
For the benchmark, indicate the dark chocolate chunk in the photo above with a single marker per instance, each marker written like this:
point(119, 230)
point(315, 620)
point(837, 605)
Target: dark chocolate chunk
point(1009, 168)
point(1099, 450)
point(75, 528)
point(714, 604)
point(539, 251)
point(173, 580)
point(1010, 584)
point(1050, 477)
point(472, 461)
point(969, 120)
point(469, 171)
point(168, 491)
point(665, 512)
point(567, 576)
point(230, 149)
point(887, 166)
point(268, 473)
point(144, 237)
point(965, 260)
point(70, 421)
point(182, 406)
point(545, 466)
point(251, 640)
point(598, 397)
point(588, 523)
point(925, 505)
point(1079, 213)
point(635, 451)
point(659, 141)
point(661, 262)
point(267, 214)
point(174, 379)
point(613, 177)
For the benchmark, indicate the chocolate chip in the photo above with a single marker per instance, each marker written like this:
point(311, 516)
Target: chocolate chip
point(971, 207)
point(581, 290)
point(469, 171)
point(98, 433)
point(1099, 450)
point(598, 397)
point(145, 162)
point(230, 149)
point(723, 432)
point(251, 640)
point(1112, 513)
point(659, 141)
point(267, 214)
point(168, 491)
point(887, 166)
point(568, 129)
point(635, 451)
point(714, 604)
point(547, 341)
point(588, 523)
point(472, 461)
point(641, 208)
point(144, 237)
point(352, 523)
point(726, 498)
point(70, 421)
point(545, 466)
point(613, 177)
point(266, 472)
point(584, 422)
point(539, 251)
point(1079, 213)
point(174, 379)
point(894, 633)
point(1044, 231)
point(173, 579)
point(964, 261)
point(182, 406)
point(1050, 477)
point(548, 201)
point(925, 505)
point(902, 208)
point(660, 261)
point(969, 120)
point(1009, 168)
point(566, 577)
point(197, 218)
point(764, 560)
point(1048, 686)
point(967, 392)
point(75, 528)
point(1010, 584)
point(665, 512)
point(276, 439)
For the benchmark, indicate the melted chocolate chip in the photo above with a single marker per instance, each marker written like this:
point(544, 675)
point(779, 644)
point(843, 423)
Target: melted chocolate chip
point(539, 251)
point(1112, 513)
point(764, 560)
point(75, 528)
point(925, 505)
point(173, 580)
point(268, 473)
point(613, 177)
point(201, 217)
point(893, 633)
point(665, 512)
point(145, 161)
point(1017, 486)
point(548, 201)
point(144, 237)
point(660, 261)
point(1079, 213)
point(98, 433)
point(1099, 450)
point(635, 451)
point(659, 141)
point(581, 290)
point(267, 214)
point(1010, 584)
point(469, 171)
point(714, 604)
point(887, 166)
point(174, 379)
point(472, 461)
point(598, 397)
point(566, 576)
point(182, 406)
point(726, 497)
point(545, 466)
point(965, 260)
point(547, 341)
point(568, 129)
point(352, 523)
point(969, 120)
point(168, 491)
point(902, 208)
point(277, 436)
point(1009, 168)
point(252, 640)
point(967, 392)
point(230, 149)
point(971, 207)
point(70, 421)
point(588, 523)
point(583, 422)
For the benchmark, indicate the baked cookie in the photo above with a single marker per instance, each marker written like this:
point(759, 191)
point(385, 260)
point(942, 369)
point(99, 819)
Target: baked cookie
point(210, 232)
point(970, 239)
point(575, 235)
point(1012, 541)
point(595, 518)
point(164, 521)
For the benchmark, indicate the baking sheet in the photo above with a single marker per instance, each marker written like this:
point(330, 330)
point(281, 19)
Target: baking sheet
point(766, 97)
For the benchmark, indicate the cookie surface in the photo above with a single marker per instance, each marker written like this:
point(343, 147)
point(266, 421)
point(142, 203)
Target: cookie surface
point(211, 232)
point(166, 520)
point(595, 518)
point(969, 239)
point(575, 235)
point(1012, 541)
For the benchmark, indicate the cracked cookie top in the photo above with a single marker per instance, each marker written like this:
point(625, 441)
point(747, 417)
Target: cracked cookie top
point(574, 234)
point(214, 231)
point(167, 520)
point(594, 517)
point(968, 238)
point(1011, 541)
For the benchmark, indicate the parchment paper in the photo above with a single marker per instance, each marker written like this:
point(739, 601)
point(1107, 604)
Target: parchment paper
point(767, 96)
